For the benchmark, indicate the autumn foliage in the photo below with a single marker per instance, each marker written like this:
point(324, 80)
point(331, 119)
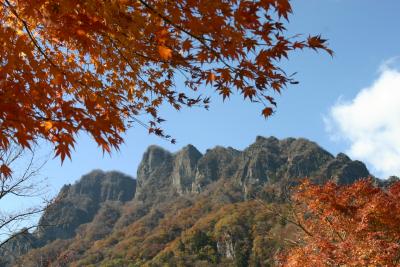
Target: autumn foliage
point(97, 66)
point(354, 225)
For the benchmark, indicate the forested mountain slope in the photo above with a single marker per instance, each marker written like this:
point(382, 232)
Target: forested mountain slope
point(183, 209)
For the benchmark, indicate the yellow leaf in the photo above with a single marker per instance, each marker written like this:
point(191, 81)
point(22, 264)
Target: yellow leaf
point(164, 52)
point(47, 125)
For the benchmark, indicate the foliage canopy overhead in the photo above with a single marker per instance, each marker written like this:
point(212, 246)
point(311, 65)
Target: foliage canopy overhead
point(91, 65)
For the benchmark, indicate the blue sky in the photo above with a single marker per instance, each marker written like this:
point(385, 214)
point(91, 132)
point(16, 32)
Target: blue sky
point(363, 34)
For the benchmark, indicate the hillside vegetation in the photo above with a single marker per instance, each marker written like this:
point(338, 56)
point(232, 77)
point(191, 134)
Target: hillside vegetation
point(222, 208)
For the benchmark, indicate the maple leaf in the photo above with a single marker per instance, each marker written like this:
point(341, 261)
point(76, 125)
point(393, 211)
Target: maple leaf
point(63, 150)
point(186, 45)
point(249, 92)
point(266, 112)
point(96, 67)
point(47, 125)
point(284, 8)
point(316, 42)
point(225, 92)
point(210, 78)
point(165, 52)
point(5, 170)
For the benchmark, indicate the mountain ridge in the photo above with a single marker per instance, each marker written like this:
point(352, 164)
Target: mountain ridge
point(170, 183)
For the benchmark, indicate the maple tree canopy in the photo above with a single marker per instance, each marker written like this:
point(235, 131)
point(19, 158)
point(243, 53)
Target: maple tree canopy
point(348, 225)
point(95, 65)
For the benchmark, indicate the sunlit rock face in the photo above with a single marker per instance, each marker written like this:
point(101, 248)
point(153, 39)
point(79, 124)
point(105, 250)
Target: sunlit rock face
point(154, 175)
point(267, 160)
point(184, 170)
point(217, 163)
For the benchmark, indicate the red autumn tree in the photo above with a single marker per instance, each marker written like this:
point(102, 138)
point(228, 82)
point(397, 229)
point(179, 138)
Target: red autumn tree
point(352, 225)
point(94, 66)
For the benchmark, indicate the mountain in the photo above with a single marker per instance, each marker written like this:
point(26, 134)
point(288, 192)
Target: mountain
point(183, 209)
point(75, 205)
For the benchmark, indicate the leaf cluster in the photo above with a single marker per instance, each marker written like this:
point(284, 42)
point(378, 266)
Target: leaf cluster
point(353, 225)
point(100, 67)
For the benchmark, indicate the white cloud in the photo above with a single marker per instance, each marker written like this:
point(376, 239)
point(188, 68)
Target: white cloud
point(371, 123)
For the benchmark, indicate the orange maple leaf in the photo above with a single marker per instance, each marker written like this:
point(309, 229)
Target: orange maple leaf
point(165, 52)
point(47, 125)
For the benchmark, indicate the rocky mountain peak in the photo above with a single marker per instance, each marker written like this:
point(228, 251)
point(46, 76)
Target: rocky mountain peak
point(216, 163)
point(154, 173)
point(342, 157)
point(154, 158)
point(191, 151)
point(267, 160)
point(184, 170)
point(103, 186)
point(262, 139)
point(78, 203)
point(270, 160)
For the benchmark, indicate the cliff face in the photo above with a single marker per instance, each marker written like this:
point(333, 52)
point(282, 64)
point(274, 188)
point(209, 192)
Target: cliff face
point(184, 186)
point(154, 175)
point(268, 160)
point(185, 167)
